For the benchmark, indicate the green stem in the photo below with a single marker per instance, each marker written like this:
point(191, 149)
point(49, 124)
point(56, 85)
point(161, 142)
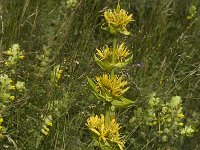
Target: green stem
point(107, 117)
point(113, 55)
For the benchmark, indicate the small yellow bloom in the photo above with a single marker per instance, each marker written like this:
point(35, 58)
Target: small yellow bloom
point(44, 132)
point(58, 75)
point(121, 52)
point(93, 122)
point(160, 132)
point(12, 87)
point(181, 115)
point(180, 124)
point(45, 128)
point(1, 120)
point(12, 98)
point(104, 53)
point(9, 52)
point(49, 123)
point(6, 64)
point(21, 57)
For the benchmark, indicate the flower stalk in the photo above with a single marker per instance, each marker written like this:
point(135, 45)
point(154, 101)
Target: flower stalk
point(110, 87)
point(113, 55)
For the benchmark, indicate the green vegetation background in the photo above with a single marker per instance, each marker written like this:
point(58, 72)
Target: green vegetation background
point(165, 45)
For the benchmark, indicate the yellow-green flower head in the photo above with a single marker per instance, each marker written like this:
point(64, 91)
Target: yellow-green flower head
point(44, 132)
point(114, 85)
point(11, 87)
point(117, 20)
point(21, 57)
point(181, 115)
point(122, 52)
point(71, 3)
point(180, 124)
point(9, 52)
point(109, 133)
point(1, 120)
point(15, 54)
point(56, 73)
point(12, 98)
point(104, 53)
point(93, 122)
point(48, 121)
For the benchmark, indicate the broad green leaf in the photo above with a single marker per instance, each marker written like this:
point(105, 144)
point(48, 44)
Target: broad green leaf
point(126, 100)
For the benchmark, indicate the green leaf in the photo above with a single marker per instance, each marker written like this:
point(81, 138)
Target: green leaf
point(105, 65)
point(124, 31)
point(125, 63)
point(123, 102)
point(126, 100)
point(118, 7)
point(106, 98)
point(92, 84)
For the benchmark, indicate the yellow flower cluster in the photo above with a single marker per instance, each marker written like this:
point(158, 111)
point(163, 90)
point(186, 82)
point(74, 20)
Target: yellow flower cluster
point(56, 74)
point(14, 54)
point(5, 88)
point(117, 20)
point(114, 85)
point(181, 115)
point(121, 52)
point(71, 3)
point(106, 133)
point(46, 125)
point(1, 127)
point(104, 53)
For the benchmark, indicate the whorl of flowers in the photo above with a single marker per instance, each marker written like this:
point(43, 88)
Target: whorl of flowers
point(117, 20)
point(115, 85)
point(105, 133)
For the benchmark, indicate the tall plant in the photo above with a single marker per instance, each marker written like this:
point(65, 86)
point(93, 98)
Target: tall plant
point(111, 87)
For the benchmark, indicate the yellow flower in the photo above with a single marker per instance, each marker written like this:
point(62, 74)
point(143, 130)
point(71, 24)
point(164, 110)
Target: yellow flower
point(9, 52)
point(93, 122)
point(117, 20)
point(180, 124)
point(44, 132)
point(121, 52)
point(104, 53)
point(160, 132)
point(6, 64)
point(48, 121)
point(1, 120)
point(115, 86)
point(12, 98)
point(45, 128)
point(58, 74)
point(109, 133)
point(12, 87)
point(181, 115)
point(21, 57)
